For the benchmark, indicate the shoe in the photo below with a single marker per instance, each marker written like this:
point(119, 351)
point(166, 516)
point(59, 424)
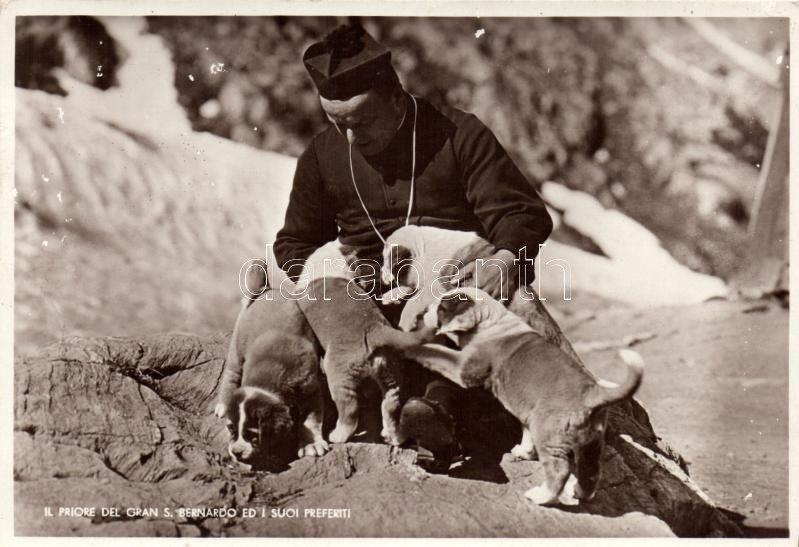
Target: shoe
point(433, 428)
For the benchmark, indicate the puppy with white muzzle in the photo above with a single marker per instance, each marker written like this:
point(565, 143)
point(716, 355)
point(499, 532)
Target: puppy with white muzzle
point(562, 407)
point(433, 253)
point(416, 259)
point(271, 391)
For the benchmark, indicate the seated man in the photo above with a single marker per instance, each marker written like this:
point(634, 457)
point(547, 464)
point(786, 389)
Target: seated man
point(391, 159)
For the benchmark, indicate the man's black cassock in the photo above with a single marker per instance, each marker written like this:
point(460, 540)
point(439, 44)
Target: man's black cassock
point(464, 181)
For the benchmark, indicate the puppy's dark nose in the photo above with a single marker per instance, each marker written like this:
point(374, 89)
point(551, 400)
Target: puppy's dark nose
point(236, 450)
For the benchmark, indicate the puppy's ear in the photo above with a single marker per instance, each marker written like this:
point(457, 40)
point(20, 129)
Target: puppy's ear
point(457, 313)
point(402, 253)
point(277, 434)
point(401, 256)
point(456, 300)
point(274, 418)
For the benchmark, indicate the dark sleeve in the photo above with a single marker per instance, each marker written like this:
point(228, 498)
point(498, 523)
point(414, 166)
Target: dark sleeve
point(506, 203)
point(309, 222)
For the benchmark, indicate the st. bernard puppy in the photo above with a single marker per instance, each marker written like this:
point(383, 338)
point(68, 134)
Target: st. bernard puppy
point(562, 406)
point(358, 341)
point(416, 259)
point(271, 391)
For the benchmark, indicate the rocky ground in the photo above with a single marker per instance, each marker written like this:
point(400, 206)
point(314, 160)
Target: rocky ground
point(127, 423)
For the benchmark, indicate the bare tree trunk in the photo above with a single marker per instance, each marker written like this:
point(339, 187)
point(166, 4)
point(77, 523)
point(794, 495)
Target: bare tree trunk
point(767, 269)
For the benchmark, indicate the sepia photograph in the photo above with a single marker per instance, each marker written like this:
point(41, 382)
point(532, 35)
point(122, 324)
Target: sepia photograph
point(383, 275)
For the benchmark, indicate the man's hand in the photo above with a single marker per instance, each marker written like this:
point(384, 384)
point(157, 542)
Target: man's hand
point(497, 275)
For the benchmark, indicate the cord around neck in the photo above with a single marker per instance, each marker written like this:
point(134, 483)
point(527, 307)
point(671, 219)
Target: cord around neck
point(413, 175)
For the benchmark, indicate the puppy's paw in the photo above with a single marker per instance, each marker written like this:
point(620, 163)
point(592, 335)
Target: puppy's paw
point(339, 435)
point(390, 298)
point(397, 295)
point(392, 436)
point(541, 495)
point(426, 334)
point(584, 495)
point(569, 495)
point(519, 452)
point(220, 410)
point(315, 449)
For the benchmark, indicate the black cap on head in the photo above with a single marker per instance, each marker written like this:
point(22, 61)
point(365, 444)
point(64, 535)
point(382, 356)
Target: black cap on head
point(347, 62)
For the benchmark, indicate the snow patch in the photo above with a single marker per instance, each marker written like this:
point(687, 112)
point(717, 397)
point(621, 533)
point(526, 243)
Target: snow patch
point(636, 269)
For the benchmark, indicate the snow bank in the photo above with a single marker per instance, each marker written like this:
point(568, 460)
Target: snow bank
point(635, 270)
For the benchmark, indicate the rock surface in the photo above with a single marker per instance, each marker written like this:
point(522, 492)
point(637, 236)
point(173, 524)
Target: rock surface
point(127, 423)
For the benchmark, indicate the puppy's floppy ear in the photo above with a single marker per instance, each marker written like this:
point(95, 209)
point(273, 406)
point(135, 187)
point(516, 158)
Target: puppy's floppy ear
point(395, 256)
point(276, 416)
point(456, 313)
point(402, 253)
point(276, 419)
point(277, 434)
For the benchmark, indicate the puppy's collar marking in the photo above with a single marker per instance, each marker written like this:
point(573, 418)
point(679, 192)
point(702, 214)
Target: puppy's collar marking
point(250, 391)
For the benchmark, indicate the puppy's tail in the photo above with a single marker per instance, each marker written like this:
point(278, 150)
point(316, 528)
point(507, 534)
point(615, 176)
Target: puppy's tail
point(606, 393)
